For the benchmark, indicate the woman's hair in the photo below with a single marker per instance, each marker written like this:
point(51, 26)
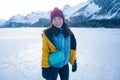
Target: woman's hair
point(65, 29)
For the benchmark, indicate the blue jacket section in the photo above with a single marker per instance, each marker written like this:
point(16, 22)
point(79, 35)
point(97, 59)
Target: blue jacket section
point(62, 44)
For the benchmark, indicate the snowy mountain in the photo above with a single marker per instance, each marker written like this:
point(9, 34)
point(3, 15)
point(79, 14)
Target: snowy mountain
point(101, 9)
point(110, 8)
point(2, 22)
point(29, 18)
point(85, 12)
point(100, 13)
point(70, 11)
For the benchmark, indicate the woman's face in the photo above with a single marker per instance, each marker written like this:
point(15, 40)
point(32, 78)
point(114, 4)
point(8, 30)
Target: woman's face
point(57, 22)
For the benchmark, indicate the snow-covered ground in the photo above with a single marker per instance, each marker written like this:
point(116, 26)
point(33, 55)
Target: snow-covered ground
point(98, 53)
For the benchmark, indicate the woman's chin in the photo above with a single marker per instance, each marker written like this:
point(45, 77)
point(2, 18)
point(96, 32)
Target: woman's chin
point(58, 26)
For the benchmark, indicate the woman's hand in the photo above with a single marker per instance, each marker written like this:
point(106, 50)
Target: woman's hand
point(74, 66)
point(45, 73)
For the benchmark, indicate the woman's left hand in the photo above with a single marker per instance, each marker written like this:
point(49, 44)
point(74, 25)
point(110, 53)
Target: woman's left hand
point(74, 66)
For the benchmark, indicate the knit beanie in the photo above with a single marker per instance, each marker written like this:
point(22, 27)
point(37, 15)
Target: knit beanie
point(56, 12)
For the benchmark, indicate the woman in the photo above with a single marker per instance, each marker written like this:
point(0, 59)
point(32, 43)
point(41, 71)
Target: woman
point(58, 37)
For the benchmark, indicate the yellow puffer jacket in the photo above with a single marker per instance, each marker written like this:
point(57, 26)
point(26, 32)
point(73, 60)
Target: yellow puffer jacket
point(48, 47)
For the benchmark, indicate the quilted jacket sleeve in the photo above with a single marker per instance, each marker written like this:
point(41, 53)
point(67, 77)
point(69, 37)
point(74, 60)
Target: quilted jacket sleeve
point(45, 52)
point(73, 45)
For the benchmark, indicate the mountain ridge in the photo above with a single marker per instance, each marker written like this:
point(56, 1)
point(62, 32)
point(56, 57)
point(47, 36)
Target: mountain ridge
point(92, 12)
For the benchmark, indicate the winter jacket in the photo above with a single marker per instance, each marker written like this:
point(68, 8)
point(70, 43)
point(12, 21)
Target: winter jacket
point(48, 47)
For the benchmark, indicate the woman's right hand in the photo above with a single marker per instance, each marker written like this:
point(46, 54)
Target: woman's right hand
point(45, 73)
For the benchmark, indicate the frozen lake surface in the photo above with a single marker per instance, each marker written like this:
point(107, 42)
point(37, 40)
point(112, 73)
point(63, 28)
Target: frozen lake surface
point(98, 53)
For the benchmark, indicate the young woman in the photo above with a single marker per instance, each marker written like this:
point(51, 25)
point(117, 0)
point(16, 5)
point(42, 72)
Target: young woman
point(58, 37)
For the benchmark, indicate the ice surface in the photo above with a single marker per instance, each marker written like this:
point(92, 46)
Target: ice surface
point(98, 54)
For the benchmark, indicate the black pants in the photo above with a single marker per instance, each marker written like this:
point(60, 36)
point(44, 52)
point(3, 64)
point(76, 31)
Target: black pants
point(63, 72)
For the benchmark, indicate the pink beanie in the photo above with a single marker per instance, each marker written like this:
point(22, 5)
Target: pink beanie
point(56, 12)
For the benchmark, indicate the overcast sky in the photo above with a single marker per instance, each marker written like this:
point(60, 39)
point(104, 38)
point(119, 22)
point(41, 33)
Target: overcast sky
point(9, 8)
